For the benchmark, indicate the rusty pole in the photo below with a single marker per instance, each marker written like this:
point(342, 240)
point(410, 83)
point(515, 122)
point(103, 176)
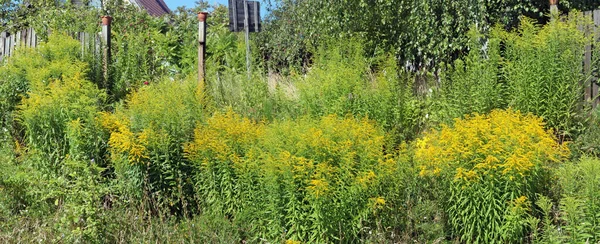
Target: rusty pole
point(106, 21)
point(201, 46)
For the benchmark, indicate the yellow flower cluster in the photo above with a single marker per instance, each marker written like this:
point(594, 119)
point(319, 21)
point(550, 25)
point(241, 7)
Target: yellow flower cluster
point(313, 154)
point(318, 187)
point(223, 138)
point(122, 140)
point(504, 143)
point(331, 151)
point(378, 202)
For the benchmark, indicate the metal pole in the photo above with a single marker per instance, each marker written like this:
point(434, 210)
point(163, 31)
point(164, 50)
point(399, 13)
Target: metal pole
point(201, 46)
point(247, 29)
point(106, 21)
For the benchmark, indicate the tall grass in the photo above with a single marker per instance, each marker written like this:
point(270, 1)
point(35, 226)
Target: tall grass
point(543, 70)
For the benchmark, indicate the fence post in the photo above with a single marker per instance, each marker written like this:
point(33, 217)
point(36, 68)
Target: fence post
point(106, 21)
point(201, 46)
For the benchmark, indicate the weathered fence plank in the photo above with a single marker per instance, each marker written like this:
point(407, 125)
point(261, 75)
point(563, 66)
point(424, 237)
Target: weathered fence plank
point(11, 45)
point(595, 86)
point(28, 38)
point(2, 37)
point(587, 62)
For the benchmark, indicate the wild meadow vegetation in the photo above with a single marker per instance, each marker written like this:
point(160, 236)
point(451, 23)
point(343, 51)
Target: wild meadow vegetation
point(387, 131)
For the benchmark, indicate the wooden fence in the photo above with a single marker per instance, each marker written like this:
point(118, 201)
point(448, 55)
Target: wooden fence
point(29, 38)
point(592, 86)
point(9, 42)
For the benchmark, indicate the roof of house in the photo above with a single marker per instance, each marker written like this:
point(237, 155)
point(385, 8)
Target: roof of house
point(154, 7)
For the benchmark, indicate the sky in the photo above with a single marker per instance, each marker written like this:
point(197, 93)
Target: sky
point(173, 4)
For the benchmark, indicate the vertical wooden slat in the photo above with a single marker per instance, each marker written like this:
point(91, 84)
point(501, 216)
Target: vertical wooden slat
point(8, 45)
point(17, 39)
point(30, 39)
point(595, 86)
point(2, 37)
point(106, 44)
point(87, 41)
point(597, 22)
point(587, 61)
point(5, 44)
point(11, 45)
point(26, 35)
point(34, 38)
point(23, 37)
point(81, 42)
point(96, 46)
point(14, 44)
point(233, 4)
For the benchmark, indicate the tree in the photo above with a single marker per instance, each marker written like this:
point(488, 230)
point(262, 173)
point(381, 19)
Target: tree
point(422, 34)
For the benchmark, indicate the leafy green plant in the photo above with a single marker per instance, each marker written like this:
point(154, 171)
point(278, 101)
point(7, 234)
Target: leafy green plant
point(580, 206)
point(549, 232)
point(55, 165)
point(29, 68)
point(543, 71)
point(472, 84)
point(305, 180)
point(49, 111)
point(146, 137)
point(588, 143)
point(340, 82)
point(422, 34)
point(491, 165)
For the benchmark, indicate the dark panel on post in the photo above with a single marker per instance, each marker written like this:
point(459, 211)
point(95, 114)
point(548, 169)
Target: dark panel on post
point(236, 16)
point(233, 20)
point(254, 16)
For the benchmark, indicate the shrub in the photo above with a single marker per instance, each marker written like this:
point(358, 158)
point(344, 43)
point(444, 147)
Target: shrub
point(53, 60)
point(580, 203)
point(55, 168)
point(487, 162)
point(225, 182)
point(146, 137)
point(249, 97)
point(588, 143)
point(343, 82)
point(64, 108)
point(328, 174)
point(543, 71)
point(472, 84)
point(306, 180)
